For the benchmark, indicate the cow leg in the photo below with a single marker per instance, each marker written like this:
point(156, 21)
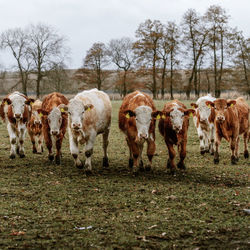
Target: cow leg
point(33, 141)
point(172, 154)
point(233, 149)
point(216, 153)
point(136, 152)
point(212, 136)
point(206, 141)
point(237, 149)
point(22, 134)
point(58, 149)
point(89, 151)
point(40, 143)
point(74, 150)
point(140, 146)
point(150, 154)
point(201, 138)
point(182, 153)
point(13, 140)
point(130, 162)
point(105, 136)
point(48, 143)
point(245, 136)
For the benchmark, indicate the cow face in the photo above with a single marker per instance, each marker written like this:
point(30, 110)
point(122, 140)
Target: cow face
point(36, 118)
point(204, 112)
point(76, 110)
point(18, 105)
point(143, 116)
point(221, 108)
point(177, 116)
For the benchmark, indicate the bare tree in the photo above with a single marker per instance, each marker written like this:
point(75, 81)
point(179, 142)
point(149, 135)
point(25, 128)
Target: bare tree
point(17, 41)
point(194, 39)
point(121, 54)
point(217, 20)
point(95, 62)
point(146, 48)
point(46, 48)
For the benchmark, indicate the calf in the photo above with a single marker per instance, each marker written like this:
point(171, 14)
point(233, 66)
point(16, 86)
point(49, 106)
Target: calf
point(54, 122)
point(173, 126)
point(137, 117)
point(231, 120)
point(204, 123)
point(35, 128)
point(89, 115)
point(15, 110)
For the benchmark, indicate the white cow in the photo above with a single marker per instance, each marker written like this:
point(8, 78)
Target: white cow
point(204, 123)
point(16, 111)
point(89, 115)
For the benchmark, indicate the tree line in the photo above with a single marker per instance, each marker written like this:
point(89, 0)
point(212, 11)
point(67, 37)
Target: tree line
point(205, 46)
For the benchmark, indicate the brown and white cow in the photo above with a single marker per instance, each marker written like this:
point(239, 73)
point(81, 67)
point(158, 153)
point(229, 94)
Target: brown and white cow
point(137, 117)
point(54, 122)
point(204, 123)
point(15, 110)
point(89, 115)
point(35, 128)
point(231, 120)
point(173, 126)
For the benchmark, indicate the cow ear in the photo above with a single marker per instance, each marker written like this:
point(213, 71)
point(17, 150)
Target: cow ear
point(189, 112)
point(210, 104)
point(42, 112)
point(156, 115)
point(194, 105)
point(7, 101)
point(88, 107)
point(30, 101)
point(63, 108)
point(231, 103)
point(129, 113)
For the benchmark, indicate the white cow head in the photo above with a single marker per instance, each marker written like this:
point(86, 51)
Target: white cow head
point(203, 110)
point(177, 115)
point(36, 117)
point(76, 110)
point(143, 116)
point(18, 104)
point(54, 118)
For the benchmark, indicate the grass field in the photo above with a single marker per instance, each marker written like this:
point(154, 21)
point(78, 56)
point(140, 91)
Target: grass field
point(48, 206)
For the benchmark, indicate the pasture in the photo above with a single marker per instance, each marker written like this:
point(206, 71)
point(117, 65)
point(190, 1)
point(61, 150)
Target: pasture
point(48, 206)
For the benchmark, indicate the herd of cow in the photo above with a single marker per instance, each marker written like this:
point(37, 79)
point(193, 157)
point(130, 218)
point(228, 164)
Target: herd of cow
point(89, 114)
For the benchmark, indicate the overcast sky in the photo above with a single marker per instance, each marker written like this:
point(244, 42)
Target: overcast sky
point(85, 22)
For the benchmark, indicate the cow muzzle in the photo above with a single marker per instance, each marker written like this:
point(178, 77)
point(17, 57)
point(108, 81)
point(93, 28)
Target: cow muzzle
point(55, 133)
point(176, 129)
point(220, 118)
point(76, 126)
point(18, 116)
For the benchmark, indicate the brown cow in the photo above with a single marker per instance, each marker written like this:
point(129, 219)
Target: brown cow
point(15, 110)
point(173, 125)
point(231, 120)
point(137, 116)
point(54, 122)
point(35, 128)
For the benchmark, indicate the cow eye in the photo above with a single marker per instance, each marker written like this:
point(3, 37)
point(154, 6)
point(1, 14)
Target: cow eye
point(69, 113)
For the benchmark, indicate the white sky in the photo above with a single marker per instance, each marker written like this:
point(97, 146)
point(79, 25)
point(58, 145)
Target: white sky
point(85, 22)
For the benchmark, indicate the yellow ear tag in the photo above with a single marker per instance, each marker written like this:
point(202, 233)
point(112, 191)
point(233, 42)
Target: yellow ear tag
point(31, 103)
point(209, 105)
point(40, 114)
point(163, 116)
point(62, 110)
point(231, 105)
point(127, 115)
point(191, 114)
point(158, 117)
point(6, 103)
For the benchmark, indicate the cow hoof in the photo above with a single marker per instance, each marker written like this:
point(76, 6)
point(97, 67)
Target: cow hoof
point(21, 155)
point(148, 168)
point(212, 153)
point(203, 152)
point(168, 164)
point(88, 172)
point(135, 172)
point(216, 161)
point(34, 151)
point(58, 160)
point(181, 165)
point(172, 171)
point(12, 156)
point(39, 153)
point(105, 162)
point(246, 154)
point(79, 166)
point(130, 163)
point(141, 168)
point(51, 157)
point(233, 160)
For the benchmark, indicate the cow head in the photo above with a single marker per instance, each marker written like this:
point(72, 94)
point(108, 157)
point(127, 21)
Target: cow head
point(177, 116)
point(203, 110)
point(221, 108)
point(18, 105)
point(143, 117)
point(36, 118)
point(54, 118)
point(76, 110)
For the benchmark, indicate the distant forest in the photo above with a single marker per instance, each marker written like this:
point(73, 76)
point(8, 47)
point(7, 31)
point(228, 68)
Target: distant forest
point(201, 54)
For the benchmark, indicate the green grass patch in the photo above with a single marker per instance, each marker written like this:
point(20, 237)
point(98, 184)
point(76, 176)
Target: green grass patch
point(48, 206)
